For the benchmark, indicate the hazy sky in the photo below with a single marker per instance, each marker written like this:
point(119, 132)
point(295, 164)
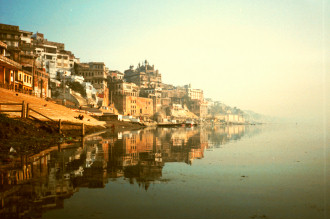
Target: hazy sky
point(270, 56)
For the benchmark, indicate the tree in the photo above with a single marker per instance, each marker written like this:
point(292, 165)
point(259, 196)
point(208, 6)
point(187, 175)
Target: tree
point(76, 86)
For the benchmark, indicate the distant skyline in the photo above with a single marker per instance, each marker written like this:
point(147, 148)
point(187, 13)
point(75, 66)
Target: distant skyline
point(271, 57)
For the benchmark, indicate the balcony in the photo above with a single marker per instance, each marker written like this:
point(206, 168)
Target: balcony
point(8, 63)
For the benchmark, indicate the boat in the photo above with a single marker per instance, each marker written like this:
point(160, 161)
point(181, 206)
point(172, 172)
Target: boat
point(190, 123)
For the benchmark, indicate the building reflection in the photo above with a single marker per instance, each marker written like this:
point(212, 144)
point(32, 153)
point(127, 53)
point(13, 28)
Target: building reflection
point(31, 185)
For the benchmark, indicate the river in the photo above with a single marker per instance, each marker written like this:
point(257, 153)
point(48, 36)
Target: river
point(261, 171)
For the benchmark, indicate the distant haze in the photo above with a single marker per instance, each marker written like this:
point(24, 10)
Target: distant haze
point(271, 57)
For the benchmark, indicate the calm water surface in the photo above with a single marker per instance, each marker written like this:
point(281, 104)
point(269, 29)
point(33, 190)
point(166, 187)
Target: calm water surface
point(266, 171)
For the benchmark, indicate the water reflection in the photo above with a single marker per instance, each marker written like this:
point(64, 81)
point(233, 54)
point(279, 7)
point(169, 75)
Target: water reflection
point(31, 185)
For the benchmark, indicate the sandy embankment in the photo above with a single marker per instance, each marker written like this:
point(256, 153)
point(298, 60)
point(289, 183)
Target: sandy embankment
point(29, 136)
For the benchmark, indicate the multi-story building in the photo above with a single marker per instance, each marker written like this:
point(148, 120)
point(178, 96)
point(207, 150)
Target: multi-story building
point(8, 68)
point(234, 118)
point(23, 81)
point(46, 56)
point(40, 57)
point(194, 94)
point(125, 88)
point(10, 35)
point(176, 94)
point(52, 55)
point(40, 85)
point(125, 97)
point(93, 72)
point(63, 60)
point(115, 75)
point(133, 105)
point(151, 92)
point(198, 108)
point(26, 37)
point(40, 76)
point(144, 76)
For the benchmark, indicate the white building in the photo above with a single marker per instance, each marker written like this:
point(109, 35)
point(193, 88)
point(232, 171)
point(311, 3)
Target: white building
point(91, 92)
point(26, 36)
point(52, 55)
point(194, 94)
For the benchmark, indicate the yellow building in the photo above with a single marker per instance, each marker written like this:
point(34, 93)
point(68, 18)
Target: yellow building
point(24, 81)
point(134, 106)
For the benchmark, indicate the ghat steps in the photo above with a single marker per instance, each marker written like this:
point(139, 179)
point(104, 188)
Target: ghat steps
point(48, 108)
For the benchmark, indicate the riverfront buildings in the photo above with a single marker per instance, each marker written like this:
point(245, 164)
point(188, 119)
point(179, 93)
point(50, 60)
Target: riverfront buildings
point(32, 64)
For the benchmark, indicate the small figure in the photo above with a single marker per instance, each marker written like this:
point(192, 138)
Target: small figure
point(12, 150)
point(81, 117)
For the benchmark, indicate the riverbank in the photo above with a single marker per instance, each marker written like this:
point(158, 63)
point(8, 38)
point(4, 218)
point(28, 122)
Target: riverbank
point(45, 107)
point(25, 136)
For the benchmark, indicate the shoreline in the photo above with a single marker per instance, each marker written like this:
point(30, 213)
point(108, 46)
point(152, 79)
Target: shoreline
point(25, 136)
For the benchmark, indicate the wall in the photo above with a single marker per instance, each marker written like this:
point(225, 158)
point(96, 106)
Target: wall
point(135, 106)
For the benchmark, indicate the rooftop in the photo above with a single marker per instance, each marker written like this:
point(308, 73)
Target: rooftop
point(9, 27)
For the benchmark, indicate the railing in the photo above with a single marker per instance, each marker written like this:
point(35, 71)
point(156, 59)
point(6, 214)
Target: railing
point(28, 109)
point(60, 122)
point(10, 62)
point(21, 110)
point(20, 90)
point(7, 86)
point(26, 113)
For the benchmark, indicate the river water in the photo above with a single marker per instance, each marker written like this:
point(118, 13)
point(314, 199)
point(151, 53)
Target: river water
point(262, 171)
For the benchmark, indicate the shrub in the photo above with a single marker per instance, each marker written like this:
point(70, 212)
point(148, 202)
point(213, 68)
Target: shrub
point(76, 86)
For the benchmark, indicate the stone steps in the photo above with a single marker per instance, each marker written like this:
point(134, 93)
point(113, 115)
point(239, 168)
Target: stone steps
point(51, 110)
